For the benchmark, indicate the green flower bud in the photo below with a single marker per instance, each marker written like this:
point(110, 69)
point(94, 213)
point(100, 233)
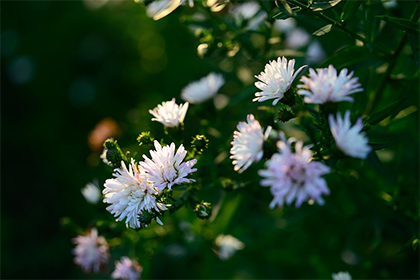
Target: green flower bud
point(284, 115)
point(203, 210)
point(199, 143)
point(289, 98)
point(114, 154)
point(145, 138)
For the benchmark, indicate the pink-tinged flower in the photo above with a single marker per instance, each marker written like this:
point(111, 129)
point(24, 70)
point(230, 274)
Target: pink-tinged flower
point(276, 79)
point(127, 269)
point(199, 91)
point(228, 245)
point(325, 86)
point(247, 144)
point(350, 140)
point(169, 113)
point(341, 276)
point(91, 251)
point(293, 175)
point(166, 168)
point(130, 194)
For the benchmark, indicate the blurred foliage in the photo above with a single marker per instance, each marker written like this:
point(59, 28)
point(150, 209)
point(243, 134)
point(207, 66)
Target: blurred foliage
point(75, 74)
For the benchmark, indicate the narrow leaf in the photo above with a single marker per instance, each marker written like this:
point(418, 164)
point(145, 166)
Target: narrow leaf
point(415, 49)
point(285, 15)
point(320, 6)
point(391, 110)
point(376, 162)
point(350, 8)
point(379, 146)
point(286, 7)
point(403, 24)
point(323, 30)
point(350, 56)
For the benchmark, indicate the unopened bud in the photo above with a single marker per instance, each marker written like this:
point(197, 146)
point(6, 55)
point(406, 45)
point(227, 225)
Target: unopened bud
point(145, 138)
point(199, 143)
point(284, 115)
point(203, 210)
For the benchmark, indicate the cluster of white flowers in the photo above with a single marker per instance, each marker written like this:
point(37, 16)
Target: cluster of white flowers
point(293, 175)
point(134, 189)
point(91, 251)
point(130, 194)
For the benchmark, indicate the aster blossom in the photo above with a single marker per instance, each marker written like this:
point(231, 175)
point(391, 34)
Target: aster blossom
point(199, 91)
point(341, 276)
point(247, 144)
point(169, 113)
point(350, 140)
point(91, 251)
point(276, 79)
point(325, 86)
point(127, 269)
point(228, 245)
point(130, 194)
point(293, 176)
point(166, 168)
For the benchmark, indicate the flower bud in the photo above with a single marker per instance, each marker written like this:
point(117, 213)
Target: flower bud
point(284, 115)
point(203, 210)
point(145, 138)
point(199, 143)
point(114, 155)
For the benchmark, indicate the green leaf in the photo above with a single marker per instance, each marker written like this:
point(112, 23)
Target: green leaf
point(403, 24)
point(349, 9)
point(323, 30)
point(284, 15)
point(320, 6)
point(286, 8)
point(391, 110)
point(376, 162)
point(415, 49)
point(379, 146)
point(350, 56)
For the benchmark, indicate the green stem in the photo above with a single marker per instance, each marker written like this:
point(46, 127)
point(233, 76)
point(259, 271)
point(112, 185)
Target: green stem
point(338, 25)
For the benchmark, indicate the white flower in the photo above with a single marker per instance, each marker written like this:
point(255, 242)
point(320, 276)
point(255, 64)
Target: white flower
point(293, 175)
point(161, 8)
point(169, 113)
point(228, 245)
point(315, 53)
point(129, 194)
point(350, 140)
point(251, 12)
point(276, 79)
point(91, 251)
point(127, 269)
point(247, 144)
point(297, 38)
point(341, 276)
point(324, 86)
point(91, 192)
point(166, 168)
point(199, 91)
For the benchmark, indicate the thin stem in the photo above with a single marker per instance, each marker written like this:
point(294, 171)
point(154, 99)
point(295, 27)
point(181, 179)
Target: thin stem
point(393, 61)
point(338, 25)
